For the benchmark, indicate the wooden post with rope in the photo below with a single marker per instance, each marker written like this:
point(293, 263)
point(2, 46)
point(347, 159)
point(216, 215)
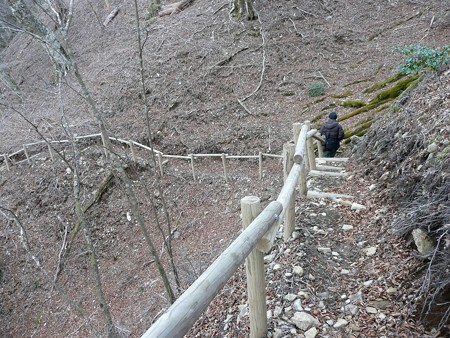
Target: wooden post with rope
point(260, 160)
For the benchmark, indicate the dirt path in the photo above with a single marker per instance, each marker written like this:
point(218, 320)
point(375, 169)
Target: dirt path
point(340, 275)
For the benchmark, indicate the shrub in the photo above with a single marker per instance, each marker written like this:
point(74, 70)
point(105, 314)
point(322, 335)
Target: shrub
point(422, 57)
point(315, 89)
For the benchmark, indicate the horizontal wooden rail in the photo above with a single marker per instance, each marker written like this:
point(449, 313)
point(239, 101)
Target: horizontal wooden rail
point(179, 318)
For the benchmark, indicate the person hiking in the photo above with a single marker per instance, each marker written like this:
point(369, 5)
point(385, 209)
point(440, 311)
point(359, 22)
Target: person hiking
point(333, 133)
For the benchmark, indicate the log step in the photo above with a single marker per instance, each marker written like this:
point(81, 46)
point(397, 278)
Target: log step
point(331, 159)
point(328, 167)
point(321, 194)
point(327, 173)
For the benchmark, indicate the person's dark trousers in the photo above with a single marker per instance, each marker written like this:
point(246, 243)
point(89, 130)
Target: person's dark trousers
point(329, 152)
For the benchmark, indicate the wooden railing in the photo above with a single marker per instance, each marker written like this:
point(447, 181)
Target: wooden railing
point(257, 238)
point(160, 156)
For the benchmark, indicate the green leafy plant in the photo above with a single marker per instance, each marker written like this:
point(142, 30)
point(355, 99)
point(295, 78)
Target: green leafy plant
point(315, 89)
point(423, 57)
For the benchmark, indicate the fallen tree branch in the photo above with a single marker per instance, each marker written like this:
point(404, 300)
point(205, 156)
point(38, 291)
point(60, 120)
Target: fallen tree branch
point(175, 8)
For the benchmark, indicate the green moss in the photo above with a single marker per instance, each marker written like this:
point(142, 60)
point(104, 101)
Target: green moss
point(318, 117)
point(358, 128)
point(358, 81)
point(353, 103)
point(378, 85)
point(331, 105)
point(396, 90)
point(347, 93)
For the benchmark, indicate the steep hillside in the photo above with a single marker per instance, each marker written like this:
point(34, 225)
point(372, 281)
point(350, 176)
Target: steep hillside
point(215, 85)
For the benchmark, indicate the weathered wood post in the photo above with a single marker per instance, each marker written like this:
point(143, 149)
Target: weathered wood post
point(50, 151)
point(260, 158)
point(302, 185)
point(224, 163)
point(289, 219)
point(159, 155)
point(193, 167)
point(296, 130)
point(299, 158)
point(6, 161)
point(25, 150)
point(254, 266)
point(133, 151)
point(310, 150)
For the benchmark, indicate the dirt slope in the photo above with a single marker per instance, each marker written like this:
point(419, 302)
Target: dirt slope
point(199, 63)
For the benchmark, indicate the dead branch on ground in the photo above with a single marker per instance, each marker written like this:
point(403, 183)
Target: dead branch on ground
point(175, 8)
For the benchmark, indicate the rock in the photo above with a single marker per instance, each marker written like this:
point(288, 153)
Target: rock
point(269, 314)
point(335, 254)
point(330, 322)
point(277, 312)
point(368, 283)
point(229, 318)
point(345, 272)
point(347, 227)
point(423, 242)
point(311, 333)
point(311, 277)
point(277, 333)
point(303, 294)
point(290, 297)
point(324, 250)
point(277, 267)
point(370, 251)
point(351, 308)
point(288, 275)
point(380, 304)
point(432, 148)
point(297, 270)
point(372, 187)
point(382, 316)
point(295, 235)
point(242, 310)
point(323, 295)
point(391, 291)
point(340, 323)
point(297, 305)
point(355, 297)
point(372, 310)
point(269, 258)
point(68, 171)
point(304, 321)
point(357, 207)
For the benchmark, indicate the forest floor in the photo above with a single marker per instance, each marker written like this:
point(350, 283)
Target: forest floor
point(215, 85)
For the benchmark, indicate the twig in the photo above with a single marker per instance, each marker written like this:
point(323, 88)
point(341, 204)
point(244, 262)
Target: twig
point(295, 28)
point(263, 63)
point(61, 255)
point(324, 79)
point(222, 7)
point(243, 106)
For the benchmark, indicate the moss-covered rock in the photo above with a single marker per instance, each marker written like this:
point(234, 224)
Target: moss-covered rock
point(353, 103)
point(381, 84)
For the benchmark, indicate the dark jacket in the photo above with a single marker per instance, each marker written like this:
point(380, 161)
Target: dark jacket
point(333, 133)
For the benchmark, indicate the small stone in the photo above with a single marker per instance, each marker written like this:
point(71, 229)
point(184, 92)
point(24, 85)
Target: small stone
point(278, 333)
point(370, 251)
point(368, 283)
point(312, 215)
point(382, 316)
point(351, 308)
point(304, 321)
point(330, 322)
point(269, 314)
point(295, 235)
point(297, 305)
point(229, 318)
point(303, 294)
point(311, 277)
point(288, 275)
point(68, 171)
point(423, 241)
point(297, 270)
point(311, 333)
point(347, 227)
point(372, 187)
point(278, 310)
point(344, 296)
point(340, 323)
point(269, 258)
point(372, 310)
point(345, 272)
point(290, 297)
point(391, 291)
point(324, 250)
point(432, 148)
point(323, 295)
point(277, 267)
point(356, 296)
point(357, 207)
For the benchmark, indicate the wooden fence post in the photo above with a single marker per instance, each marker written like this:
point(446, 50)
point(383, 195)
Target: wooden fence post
point(254, 265)
point(310, 150)
point(133, 152)
point(289, 219)
point(224, 163)
point(25, 150)
point(260, 157)
point(192, 166)
point(319, 149)
point(6, 161)
point(302, 186)
point(160, 164)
